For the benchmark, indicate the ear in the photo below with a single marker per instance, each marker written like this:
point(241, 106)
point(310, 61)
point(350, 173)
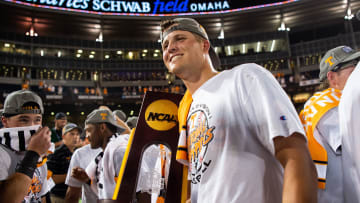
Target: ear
point(206, 45)
point(4, 121)
point(102, 128)
point(331, 76)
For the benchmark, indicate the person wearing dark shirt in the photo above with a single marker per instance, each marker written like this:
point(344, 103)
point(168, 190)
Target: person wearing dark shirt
point(56, 132)
point(58, 163)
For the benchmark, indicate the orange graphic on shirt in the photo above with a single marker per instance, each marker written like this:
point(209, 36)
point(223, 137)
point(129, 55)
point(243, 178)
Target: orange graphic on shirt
point(200, 135)
point(35, 186)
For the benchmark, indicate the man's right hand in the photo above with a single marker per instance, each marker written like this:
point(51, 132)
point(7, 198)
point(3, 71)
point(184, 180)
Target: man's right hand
point(40, 142)
point(80, 174)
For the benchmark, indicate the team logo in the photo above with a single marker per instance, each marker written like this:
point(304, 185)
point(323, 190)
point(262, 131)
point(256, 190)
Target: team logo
point(200, 136)
point(161, 115)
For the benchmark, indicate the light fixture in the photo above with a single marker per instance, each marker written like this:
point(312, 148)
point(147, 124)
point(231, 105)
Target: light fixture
point(91, 56)
point(107, 56)
point(221, 35)
point(119, 52)
point(258, 47)
point(7, 45)
point(31, 32)
point(156, 54)
point(272, 46)
point(283, 27)
point(157, 50)
point(80, 51)
point(78, 55)
point(243, 48)
point(59, 54)
point(41, 52)
point(349, 15)
point(145, 50)
point(100, 38)
point(131, 54)
point(229, 50)
point(92, 52)
point(143, 54)
point(67, 113)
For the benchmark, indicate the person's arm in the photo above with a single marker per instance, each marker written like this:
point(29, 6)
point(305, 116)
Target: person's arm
point(73, 194)
point(58, 178)
point(15, 188)
point(300, 178)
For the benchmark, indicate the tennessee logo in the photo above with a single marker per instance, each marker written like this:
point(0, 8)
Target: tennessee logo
point(103, 116)
point(200, 136)
point(161, 115)
point(328, 60)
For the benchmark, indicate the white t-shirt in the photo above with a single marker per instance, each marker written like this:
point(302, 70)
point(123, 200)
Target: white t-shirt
point(110, 165)
point(82, 158)
point(327, 133)
point(232, 122)
point(349, 117)
point(39, 185)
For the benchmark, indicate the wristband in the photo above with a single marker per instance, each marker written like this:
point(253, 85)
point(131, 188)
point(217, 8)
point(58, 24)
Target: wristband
point(28, 165)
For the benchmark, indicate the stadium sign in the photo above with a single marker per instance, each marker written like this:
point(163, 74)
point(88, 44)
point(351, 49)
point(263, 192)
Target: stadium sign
point(152, 8)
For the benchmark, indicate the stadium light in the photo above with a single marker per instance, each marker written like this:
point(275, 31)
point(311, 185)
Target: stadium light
point(221, 35)
point(349, 15)
point(283, 27)
point(243, 49)
point(31, 32)
point(272, 46)
point(100, 38)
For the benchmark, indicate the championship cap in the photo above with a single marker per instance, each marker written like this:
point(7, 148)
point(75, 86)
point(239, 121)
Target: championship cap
point(103, 116)
point(336, 59)
point(60, 115)
point(191, 25)
point(23, 102)
point(120, 114)
point(69, 127)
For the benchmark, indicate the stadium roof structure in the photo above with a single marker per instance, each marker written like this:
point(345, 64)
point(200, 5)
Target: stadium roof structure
point(296, 14)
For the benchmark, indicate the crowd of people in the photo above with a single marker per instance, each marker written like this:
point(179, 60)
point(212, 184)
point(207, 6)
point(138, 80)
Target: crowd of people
point(240, 135)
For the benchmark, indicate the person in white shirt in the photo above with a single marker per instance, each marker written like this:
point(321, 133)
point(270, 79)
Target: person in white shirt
point(23, 144)
point(349, 111)
point(239, 132)
point(81, 158)
point(321, 121)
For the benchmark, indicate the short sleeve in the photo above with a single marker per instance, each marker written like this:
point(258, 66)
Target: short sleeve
point(269, 109)
point(5, 162)
point(71, 181)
